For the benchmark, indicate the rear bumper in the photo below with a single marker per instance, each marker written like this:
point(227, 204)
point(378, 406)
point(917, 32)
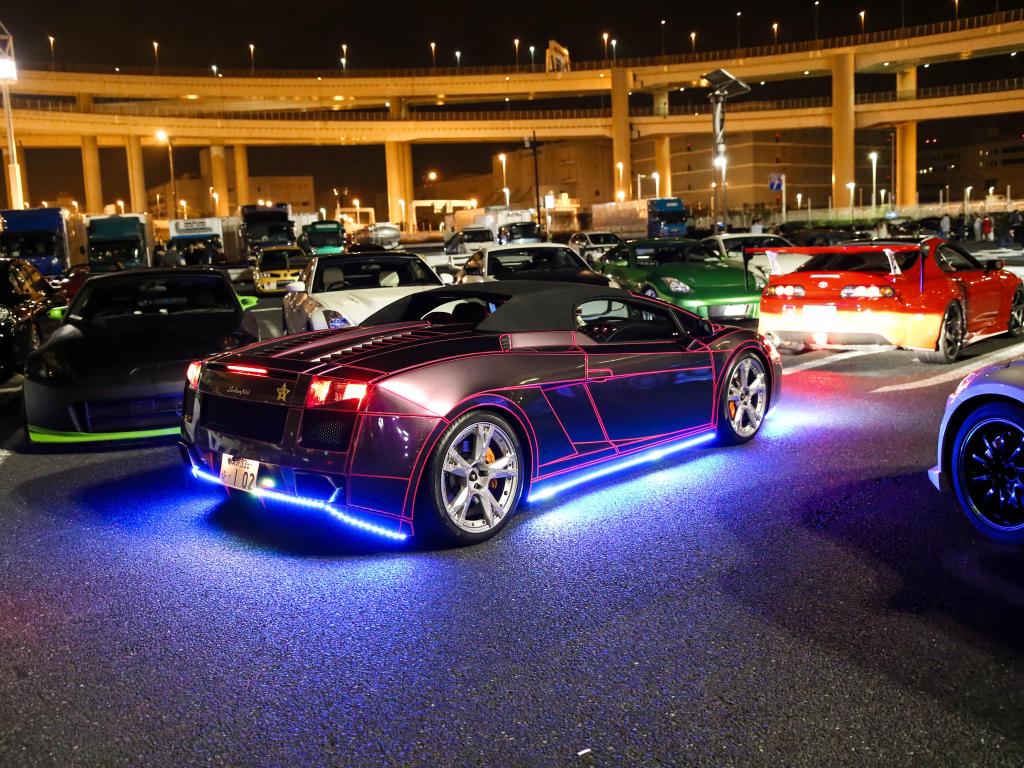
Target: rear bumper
point(281, 484)
point(718, 307)
point(848, 327)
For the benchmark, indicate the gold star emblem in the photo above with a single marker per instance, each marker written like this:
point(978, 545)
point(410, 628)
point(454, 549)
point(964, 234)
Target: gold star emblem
point(282, 393)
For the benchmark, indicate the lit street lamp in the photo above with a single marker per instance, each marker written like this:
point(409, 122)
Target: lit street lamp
point(213, 67)
point(604, 37)
point(184, 209)
point(874, 176)
point(504, 169)
point(816, 4)
point(619, 167)
point(433, 54)
point(851, 186)
point(401, 204)
point(252, 59)
point(693, 42)
point(614, 43)
point(657, 183)
point(355, 202)
point(739, 15)
point(508, 196)
point(532, 50)
point(162, 136)
point(967, 198)
point(516, 44)
point(663, 37)
point(432, 176)
point(862, 22)
point(639, 190)
point(881, 192)
point(775, 32)
point(53, 58)
point(458, 59)
point(156, 55)
point(8, 75)
point(120, 207)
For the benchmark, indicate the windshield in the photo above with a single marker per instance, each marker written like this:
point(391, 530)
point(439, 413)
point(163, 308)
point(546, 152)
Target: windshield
point(325, 239)
point(283, 260)
point(673, 253)
point(147, 296)
point(25, 245)
point(859, 261)
point(280, 233)
point(522, 229)
point(604, 238)
point(356, 272)
point(478, 236)
point(116, 254)
point(670, 217)
point(505, 263)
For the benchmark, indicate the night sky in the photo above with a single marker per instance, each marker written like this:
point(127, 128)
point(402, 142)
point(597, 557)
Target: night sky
point(397, 34)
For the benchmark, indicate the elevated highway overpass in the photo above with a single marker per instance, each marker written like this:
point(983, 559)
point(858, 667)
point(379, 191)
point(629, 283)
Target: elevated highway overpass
point(91, 109)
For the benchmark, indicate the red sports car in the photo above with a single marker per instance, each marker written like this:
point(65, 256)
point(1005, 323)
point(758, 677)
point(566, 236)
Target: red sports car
point(932, 297)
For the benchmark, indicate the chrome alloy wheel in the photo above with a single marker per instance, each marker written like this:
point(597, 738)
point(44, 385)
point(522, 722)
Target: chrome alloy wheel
point(1017, 314)
point(991, 465)
point(952, 334)
point(479, 477)
point(747, 396)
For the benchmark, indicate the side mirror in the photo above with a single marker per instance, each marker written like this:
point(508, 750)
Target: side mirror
point(994, 266)
point(447, 278)
point(248, 302)
point(57, 313)
point(296, 286)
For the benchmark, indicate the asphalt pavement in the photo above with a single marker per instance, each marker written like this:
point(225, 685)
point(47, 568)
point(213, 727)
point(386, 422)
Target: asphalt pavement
point(806, 599)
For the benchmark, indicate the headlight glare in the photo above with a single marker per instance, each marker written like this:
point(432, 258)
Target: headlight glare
point(335, 320)
point(675, 285)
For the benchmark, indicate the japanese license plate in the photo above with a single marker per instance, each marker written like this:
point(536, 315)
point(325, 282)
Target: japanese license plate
point(735, 310)
point(818, 313)
point(239, 473)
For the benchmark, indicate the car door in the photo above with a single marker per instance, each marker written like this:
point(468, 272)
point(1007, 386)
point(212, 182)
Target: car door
point(983, 290)
point(645, 375)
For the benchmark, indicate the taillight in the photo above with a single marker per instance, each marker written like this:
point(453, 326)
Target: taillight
point(867, 292)
point(334, 393)
point(192, 374)
point(247, 370)
point(785, 291)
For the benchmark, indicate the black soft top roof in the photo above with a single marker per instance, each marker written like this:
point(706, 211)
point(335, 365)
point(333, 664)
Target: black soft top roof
point(526, 305)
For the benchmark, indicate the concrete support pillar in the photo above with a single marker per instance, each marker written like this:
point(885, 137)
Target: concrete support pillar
point(136, 175)
point(663, 164)
point(398, 161)
point(241, 175)
point(622, 167)
point(22, 178)
point(91, 175)
point(219, 178)
point(843, 126)
point(906, 143)
point(661, 103)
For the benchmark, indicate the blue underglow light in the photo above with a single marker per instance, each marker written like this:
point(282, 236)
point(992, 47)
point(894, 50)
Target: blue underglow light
point(645, 457)
point(337, 514)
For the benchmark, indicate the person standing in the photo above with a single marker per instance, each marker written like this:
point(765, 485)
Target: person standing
point(976, 225)
point(944, 225)
point(987, 233)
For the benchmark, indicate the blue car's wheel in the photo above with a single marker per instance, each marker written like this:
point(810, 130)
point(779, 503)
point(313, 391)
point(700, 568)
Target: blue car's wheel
point(987, 465)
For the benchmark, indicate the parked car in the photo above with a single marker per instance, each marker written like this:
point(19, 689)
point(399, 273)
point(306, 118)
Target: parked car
point(519, 232)
point(686, 273)
point(277, 266)
point(341, 291)
point(736, 248)
point(448, 408)
point(592, 245)
point(25, 301)
point(934, 298)
point(113, 370)
point(529, 261)
point(981, 442)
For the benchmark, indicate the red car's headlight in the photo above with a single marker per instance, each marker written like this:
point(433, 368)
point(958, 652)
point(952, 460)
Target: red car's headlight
point(335, 393)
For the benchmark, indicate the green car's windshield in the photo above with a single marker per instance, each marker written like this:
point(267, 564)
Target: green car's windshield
point(657, 254)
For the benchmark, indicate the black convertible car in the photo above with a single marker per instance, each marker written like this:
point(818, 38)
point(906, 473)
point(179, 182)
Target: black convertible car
point(25, 301)
point(114, 368)
point(446, 408)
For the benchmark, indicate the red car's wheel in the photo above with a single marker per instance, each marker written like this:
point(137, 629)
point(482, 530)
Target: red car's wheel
point(951, 338)
point(1015, 325)
point(476, 478)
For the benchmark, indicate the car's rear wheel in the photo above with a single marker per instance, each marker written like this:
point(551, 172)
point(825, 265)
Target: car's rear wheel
point(1015, 325)
point(744, 400)
point(476, 474)
point(951, 338)
point(987, 465)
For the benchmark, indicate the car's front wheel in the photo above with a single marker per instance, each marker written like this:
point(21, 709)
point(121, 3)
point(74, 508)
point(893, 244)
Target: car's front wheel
point(987, 464)
point(476, 474)
point(1015, 325)
point(744, 400)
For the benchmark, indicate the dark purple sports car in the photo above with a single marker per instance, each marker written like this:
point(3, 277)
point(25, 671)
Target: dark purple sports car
point(447, 408)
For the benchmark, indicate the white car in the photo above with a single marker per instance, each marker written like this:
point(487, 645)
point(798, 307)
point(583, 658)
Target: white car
point(338, 291)
point(731, 246)
point(592, 245)
point(529, 261)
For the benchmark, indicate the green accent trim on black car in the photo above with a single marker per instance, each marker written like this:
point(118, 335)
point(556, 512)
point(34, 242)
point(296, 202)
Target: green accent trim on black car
point(43, 435)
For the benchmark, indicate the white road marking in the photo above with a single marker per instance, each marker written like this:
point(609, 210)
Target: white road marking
point(266, 309)
point(954, 374)
point(10, 390)
point(832, 358)
point(4, 455)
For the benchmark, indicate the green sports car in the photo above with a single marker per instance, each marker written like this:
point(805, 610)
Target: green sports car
point(685, 273)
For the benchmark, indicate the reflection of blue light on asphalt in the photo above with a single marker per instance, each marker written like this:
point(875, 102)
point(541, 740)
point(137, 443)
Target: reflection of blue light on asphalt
point(330, 509)
point(554, 487)
point(785, 420)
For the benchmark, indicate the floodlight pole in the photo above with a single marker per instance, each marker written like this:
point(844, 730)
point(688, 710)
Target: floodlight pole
point(16, 199)
point(723, 85)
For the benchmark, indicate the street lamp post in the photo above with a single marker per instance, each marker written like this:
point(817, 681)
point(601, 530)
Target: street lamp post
point(184, 209)
point(163, 136)
point(862, 22)
point(967, 198)
point(739, 15)
point(458, 59)
point(662, 37)
point(533, 48)
point(433, 54)
point(504, 169)
point(619, 167)
point(816, 4)
point(851, 186)
point(156, 55)
point(874, 177)
point(723, 87)
point(614, 43)
point(657, 183)
point(604, 37)
point(508, 197)
point(120, 207)
point(639, 189)
point(515, 43)
point(775, 32)
point(344, 53)
point(53, 56)
point(355, 202)
point(252, 59)
point(8, 75)
point(693, 42)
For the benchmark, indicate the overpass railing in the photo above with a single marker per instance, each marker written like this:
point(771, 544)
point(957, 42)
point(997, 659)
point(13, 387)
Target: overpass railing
point(694, 57)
